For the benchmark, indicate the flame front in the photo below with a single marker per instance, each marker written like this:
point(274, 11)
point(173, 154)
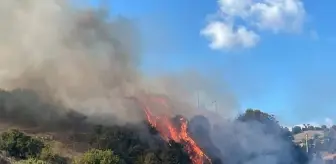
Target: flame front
point(169, 131)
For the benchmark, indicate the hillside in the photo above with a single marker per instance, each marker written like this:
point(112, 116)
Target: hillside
point(320, 142)
point(311, 134)
point(142, 142)
point(130, 142)
point(60, 142)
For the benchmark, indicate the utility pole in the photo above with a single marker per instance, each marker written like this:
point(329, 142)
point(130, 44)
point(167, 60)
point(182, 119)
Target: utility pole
point(307, 149)
point(198, 100)
point(215, 103)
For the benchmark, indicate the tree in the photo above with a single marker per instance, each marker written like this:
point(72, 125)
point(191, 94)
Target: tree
point(96, 156)
point(123, 141)
point(17, 144)
point(257, 115)
point(272, 127)
point(200, 128)
point(310, 127)
point(32, 161)
point(199, 125)
point(49, 156)
point(296, 130)
point(174, 153)
point(148, 158)
point(333, 127)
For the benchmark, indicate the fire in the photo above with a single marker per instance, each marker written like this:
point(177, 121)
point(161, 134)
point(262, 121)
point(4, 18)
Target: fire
point(169, 131)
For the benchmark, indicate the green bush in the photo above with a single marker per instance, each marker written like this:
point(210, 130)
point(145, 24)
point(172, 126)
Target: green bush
point(32, 161)
point(96, 156)
point(48, 155)
point(149, 158)
point(19, 145)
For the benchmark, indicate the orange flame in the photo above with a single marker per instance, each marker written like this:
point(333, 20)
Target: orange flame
point(168, 131)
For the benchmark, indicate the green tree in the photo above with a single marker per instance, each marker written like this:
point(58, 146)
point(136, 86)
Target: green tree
point(257, 115)
point(17, 144)
point(296, 130)
point(271, 125)
point(123, 141)
point(32, 161)
point(96, 156)
point(148, 158)
point(48, 155)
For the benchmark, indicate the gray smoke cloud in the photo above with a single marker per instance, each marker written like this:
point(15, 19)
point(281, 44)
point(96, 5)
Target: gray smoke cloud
point(76, 57)
point(88, 61)
point(247, 143)
point(84, 59)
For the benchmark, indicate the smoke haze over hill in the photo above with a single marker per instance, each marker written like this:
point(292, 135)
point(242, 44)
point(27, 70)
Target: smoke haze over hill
point(83, 59)
point(88, 61)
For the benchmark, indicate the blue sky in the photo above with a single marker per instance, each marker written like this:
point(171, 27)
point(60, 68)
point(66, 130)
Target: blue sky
point(282, 64)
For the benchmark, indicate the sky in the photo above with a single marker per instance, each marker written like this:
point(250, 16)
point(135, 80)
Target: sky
point(276, 55)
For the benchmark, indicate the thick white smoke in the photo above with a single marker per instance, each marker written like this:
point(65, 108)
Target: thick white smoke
point(84, 59)
point(77, 57)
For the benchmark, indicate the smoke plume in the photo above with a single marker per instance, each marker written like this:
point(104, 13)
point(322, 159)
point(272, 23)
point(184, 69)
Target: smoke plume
point(88, 61)
point(83, 59)
point(77, 57)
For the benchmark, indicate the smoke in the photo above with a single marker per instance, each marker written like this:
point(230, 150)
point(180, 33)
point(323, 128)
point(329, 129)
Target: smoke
point(83, 59)
point(247, 143)
point(88, 61)
point(74, 56)
point(252, 142)
point(190, 90)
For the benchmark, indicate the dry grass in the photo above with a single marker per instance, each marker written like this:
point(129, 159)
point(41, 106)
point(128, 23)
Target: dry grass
point(311, 133)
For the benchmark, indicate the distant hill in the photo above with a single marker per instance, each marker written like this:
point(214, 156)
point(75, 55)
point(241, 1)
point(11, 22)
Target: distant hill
point(298, 138)
point(311, 133)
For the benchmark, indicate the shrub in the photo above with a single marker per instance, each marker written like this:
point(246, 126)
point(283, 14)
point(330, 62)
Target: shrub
point(32, 161)
point(48, 155)
point(19, 145)
point(95, 156)
point(149, 158)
